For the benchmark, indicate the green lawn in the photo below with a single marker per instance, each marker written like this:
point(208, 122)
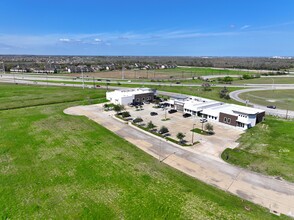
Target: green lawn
point(283, 99)
point(25, 96)
point(267, 80)
point(56, 166)
point(267, 148)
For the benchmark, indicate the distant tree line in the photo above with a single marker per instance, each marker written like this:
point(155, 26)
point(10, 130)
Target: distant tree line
point(258, 63)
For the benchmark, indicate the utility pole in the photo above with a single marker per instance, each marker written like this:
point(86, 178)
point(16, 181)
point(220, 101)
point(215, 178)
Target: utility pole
point(123, 72)
point(3, 67)
point(93, 82)
point(287, 110)
point(83, 78)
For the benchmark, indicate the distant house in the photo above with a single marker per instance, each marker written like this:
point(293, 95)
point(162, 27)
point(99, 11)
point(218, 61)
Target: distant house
point(47, 71)
point(18, 70)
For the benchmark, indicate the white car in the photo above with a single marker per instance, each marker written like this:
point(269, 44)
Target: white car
point(202, 120)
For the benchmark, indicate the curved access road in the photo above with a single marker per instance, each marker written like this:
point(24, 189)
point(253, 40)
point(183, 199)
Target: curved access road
point(276, 195)
point(275, 112)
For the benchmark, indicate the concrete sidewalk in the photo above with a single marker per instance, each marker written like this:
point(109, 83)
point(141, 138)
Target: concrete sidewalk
point(276, 195)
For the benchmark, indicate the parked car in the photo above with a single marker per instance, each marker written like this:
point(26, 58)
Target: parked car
point(203, 120)
point(186, 115)
point(138, 103)
point(153, 113)
point(172, 111)
point(271, 106)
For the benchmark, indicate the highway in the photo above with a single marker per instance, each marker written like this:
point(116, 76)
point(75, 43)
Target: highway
point(68, 81)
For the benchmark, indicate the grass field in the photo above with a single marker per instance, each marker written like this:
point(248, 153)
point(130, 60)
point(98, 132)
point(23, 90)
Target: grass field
point(56, 166)
point(195, 71)
point(266, 148)
point(177, 73)
point(283, 99)
point(266, 80)
point(198, 91)
point(34, 95)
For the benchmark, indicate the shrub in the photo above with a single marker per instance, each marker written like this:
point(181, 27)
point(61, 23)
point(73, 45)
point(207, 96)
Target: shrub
point(137, 120)
point(125, 114)
point(163, 130)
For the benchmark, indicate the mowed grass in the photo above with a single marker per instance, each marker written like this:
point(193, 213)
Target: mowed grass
point(199, 71)
point(266, 80)
point(267, 148)
point(56, 166)
point(283, 99)
point(25, 96)
point(198, 91)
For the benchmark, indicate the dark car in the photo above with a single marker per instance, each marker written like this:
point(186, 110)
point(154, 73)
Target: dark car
point(271, 106)
point(186, 115)
point(153, 113)
point(172, 111)
point(138, 103)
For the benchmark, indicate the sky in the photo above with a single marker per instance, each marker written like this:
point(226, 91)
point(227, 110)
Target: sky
point(147, 28)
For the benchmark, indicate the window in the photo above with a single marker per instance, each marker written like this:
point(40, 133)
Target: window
point(143, 99)
point(137, 99)
point(225, 119)
point(229, 121)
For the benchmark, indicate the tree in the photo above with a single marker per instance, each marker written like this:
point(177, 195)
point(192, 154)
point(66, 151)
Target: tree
point(227, 79)
point(118, 108)
point(209, 128)
point(247, 76)
point(224, 93)
point(106, 107)
point(180, 136)
point(137, 120)
point(206, 87)
point(150, 125)
point(125, 114)
point(163, 130)
point(122, 107)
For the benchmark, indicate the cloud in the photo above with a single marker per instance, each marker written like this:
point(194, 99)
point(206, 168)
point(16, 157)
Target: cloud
point(64, 40)
point(245, 27)
point(97, 40)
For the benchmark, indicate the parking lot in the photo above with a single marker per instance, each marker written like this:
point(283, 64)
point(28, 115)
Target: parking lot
point(212, 145)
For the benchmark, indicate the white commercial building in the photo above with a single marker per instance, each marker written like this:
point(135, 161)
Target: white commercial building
point(127, 96)
point(230, 114)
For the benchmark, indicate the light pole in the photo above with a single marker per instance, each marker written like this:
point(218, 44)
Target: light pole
point(193, 134)
point(165, 113)
point(273, 83)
